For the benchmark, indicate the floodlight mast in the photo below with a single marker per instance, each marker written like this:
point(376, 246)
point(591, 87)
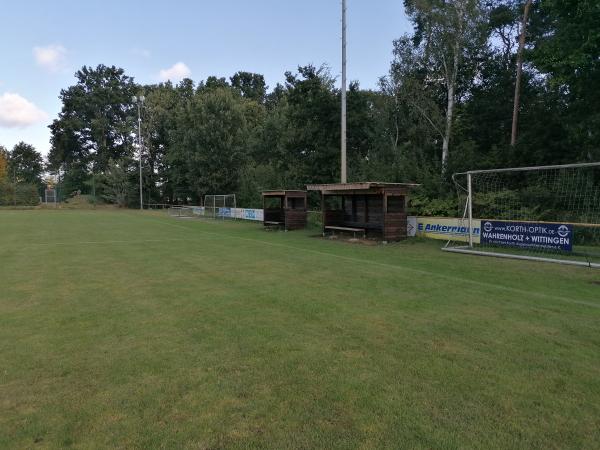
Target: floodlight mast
point(140, 102)
point(343, 131)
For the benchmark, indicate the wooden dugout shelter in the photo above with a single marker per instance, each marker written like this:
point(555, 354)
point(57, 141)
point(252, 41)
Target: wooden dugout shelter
point(369, 208)
point(284, 208)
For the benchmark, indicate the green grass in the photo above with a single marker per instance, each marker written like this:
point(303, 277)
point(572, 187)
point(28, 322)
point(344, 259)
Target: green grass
point(136, 330)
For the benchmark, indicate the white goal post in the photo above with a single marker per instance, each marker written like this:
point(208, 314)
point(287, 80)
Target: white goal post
point(541, 213)
point(181, 211)
point(50, 196)
point(220, 206)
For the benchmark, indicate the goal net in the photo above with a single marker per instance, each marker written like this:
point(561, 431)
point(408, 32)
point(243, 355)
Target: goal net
point(219, 206)
point(182, 212)
point(50, 196)
point(546, 213)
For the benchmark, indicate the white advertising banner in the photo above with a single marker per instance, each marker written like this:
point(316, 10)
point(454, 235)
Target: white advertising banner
point(234, 213)
point(444, 228)
point(247, 214)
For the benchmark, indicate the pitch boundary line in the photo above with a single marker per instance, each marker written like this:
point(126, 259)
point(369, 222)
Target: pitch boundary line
point(139, 241)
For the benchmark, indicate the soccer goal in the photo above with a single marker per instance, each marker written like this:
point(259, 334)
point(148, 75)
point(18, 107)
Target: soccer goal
point(544, 213)
point(50, 197)
point(182, 212)
point(220, 206)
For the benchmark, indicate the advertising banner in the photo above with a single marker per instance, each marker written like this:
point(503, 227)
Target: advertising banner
point(253, 214)
point(528, 235)
point(411, 226)
point(224, 212)
point(445, 228)
point(247, 214)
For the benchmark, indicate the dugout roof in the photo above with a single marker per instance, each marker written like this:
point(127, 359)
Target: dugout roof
point(361, 187)
point(284, 193)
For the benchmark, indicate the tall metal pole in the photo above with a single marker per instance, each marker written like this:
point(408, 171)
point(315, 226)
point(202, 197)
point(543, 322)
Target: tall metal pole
point(140, 150)
point(343, 143)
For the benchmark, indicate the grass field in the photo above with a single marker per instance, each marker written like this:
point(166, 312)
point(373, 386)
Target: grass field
point(136, 330)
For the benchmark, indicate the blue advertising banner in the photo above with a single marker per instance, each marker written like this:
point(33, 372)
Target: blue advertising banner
point(527, 235)
point(250, 214)
point(224, 212)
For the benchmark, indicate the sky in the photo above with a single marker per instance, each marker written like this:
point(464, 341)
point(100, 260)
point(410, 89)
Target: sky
point(43, 43)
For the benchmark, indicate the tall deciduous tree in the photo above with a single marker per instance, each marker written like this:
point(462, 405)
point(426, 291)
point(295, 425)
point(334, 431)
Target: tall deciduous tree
point(516, 104)
point(208, 148)
point(95, 123)
point(440, 54)
point(25, 164)
point(565, 37)
point(311, 135)
point(115, 183)
point(3, 163)
point(160, 113)
point(251, 85)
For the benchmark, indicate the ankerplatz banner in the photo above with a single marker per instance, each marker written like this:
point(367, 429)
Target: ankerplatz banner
point(444, 228)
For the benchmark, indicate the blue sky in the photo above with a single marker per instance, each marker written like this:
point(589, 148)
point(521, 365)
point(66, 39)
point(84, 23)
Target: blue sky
point(42, 43)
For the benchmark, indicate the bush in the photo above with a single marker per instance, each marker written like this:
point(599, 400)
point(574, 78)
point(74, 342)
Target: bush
point(20, 194)
point(422, 205)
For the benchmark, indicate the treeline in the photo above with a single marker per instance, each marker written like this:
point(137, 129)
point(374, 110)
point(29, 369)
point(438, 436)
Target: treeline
point(446, 105)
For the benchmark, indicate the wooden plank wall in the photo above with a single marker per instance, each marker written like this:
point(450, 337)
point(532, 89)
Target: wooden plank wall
point(295, 219)
point(333, 218)
point(395, 226)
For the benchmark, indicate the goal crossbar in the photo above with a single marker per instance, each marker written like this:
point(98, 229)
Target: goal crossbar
point(529, 169)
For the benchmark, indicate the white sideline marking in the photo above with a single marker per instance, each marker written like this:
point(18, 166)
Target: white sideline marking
point(393, 266)
point(139, 241)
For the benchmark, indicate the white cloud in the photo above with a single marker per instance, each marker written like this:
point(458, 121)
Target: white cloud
point(17, 111)
point(50, 57)
point(175, 73)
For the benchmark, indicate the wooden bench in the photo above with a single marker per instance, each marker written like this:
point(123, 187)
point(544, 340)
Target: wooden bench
point(353, 230)
point(272, 224)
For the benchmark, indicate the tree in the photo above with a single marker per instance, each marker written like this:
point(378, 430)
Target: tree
point(95, 123)
point(161, 106)
point(115, 183)
point(522, 36)
point(213, 82)
point(251, 85)
point(25, 164)
point(311, 136)
point(3, 163)
point(565, 41)
point(208, 148)
point(441, 53)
